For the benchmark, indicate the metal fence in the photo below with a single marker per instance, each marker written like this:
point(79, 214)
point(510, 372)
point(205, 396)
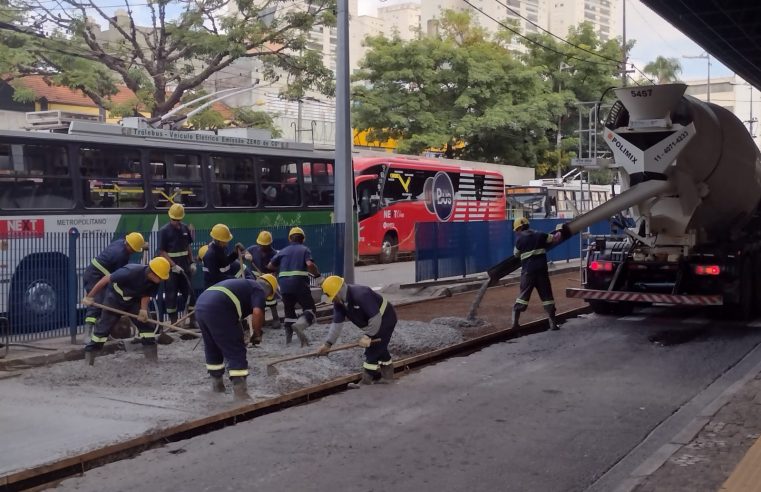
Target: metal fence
point(41, 286)
point(451, 249)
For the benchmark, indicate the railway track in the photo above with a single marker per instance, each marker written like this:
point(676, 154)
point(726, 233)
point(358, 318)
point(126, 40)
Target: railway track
point(39, 477)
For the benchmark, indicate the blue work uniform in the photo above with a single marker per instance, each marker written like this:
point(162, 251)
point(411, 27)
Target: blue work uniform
point(219, 265)
point(115, 256)
point(175, 241)
point(363, 303)
point(293, 278)
point(260, 258)
point(218, 312)
point(531, 247)
point(128, 285)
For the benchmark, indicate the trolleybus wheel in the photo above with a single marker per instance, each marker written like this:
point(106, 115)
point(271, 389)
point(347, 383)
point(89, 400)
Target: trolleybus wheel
point(39, 294)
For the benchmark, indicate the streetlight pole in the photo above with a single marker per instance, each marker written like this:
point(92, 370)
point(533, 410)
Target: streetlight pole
point(707, 57)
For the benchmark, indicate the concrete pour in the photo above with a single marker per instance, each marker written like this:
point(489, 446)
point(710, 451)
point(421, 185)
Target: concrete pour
point(180, 381)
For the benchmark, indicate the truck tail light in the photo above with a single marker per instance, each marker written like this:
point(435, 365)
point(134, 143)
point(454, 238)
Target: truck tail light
point(707, 269)
point(601, 266)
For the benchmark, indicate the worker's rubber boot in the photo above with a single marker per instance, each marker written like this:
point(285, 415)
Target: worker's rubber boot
point(553, 323)
point(275, 324)
point(516, 320)
point(240, 389)
point(172, 318)
point(299, 326)
point(288, 333)
point(164, 339)
point(387, 373)
point(151, 353)
point(217, 385)
point(367, 378)
point(90, 357)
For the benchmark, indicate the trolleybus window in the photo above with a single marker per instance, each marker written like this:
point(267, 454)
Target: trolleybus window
point(176, 179)
point(279, 182)
point(234, 182)
point(35, 177)
point(318, 183)
point(112, 177)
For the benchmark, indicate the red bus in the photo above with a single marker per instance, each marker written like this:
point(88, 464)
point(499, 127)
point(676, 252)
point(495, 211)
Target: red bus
point(394, 193)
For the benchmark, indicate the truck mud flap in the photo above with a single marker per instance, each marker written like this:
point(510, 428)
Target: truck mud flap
point(613, 296)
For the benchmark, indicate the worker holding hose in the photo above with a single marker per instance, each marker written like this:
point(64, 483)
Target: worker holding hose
point(219, 311)
point(531, 246)
point(175, 239)
point(115, 256)
point(260, 255)
point(129, 289)
point(373, 314)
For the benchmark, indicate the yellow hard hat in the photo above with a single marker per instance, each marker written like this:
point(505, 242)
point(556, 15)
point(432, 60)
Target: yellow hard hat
point(332, 285)
point(519, 222)
point(264, 238)
point(160, 266)
point(135, 241)
point(296, 230)
point(270, 279)
point(177, 212)
point(202, 251)
point(221, 232)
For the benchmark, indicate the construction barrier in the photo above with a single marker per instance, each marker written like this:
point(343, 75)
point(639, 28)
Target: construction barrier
point(452, 249)
point(41, 284)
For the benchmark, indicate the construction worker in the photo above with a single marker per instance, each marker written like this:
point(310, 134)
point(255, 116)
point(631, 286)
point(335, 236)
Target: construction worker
point(115, 256)
point(294, 264)
point(373, 314)
point(532, 246)
point(218, 264)
point(260, 255)
point(175, 239)
point(219, 312)
point(129, 289)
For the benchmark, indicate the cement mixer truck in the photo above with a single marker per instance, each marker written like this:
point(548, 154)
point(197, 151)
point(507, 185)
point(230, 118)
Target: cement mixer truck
point(691, 180)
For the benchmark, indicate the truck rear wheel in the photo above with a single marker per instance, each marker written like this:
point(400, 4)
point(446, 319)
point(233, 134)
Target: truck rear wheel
point(600, 307)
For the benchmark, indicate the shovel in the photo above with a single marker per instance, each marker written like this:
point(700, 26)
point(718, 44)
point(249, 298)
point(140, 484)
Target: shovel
point(152, 321)
point(272, 370)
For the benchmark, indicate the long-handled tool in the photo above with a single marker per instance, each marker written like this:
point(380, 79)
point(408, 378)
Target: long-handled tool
point(152, 321)
point(272, 370)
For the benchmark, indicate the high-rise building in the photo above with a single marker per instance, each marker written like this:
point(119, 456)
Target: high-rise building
point(602, 14)
point(402, 20)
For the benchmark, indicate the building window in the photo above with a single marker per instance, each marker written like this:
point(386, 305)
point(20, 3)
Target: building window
point(234, 181)
point(176, 179)
point(35, 177)
point(112, 177)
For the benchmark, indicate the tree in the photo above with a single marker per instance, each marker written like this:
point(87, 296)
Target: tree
point(461, 87)
point(185, 43)
point(663, 69)
point(249, 118)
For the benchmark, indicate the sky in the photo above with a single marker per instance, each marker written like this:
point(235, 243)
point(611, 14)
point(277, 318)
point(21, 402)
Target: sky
point(654, 36)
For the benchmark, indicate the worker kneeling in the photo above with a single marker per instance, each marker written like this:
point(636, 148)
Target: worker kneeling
point(373, 314)
point(130, 289)
point(219, 311)
point(531, 246)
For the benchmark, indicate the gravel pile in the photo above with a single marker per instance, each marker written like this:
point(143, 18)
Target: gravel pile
point(180, 380)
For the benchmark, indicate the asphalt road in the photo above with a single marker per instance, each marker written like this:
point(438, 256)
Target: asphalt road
point(549, 412)
point(376, 276)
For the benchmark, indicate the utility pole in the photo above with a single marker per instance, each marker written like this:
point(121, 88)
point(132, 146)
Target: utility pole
point(624, 58)
point(344, 185)
point(708, 78)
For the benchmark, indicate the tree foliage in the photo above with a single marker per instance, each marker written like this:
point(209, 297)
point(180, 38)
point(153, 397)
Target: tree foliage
point(183, 45)
point(249, 118)
point(664, 70)
point(466, 91)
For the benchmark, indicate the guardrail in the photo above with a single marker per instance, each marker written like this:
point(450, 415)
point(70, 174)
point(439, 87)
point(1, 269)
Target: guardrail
point(41, 286)
point(451, 249)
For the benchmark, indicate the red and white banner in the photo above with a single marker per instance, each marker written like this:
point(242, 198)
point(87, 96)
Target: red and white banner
point(606, 295)
point(21, 228)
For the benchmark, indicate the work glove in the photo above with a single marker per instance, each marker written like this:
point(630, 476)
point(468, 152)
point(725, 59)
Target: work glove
point(324, 349)
point(88, 301)
point(248, 257)
point(193, 268)
point(255, 339)
point(176, 268)
point(365, 341)
point(239, 247)
point(143, 315)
